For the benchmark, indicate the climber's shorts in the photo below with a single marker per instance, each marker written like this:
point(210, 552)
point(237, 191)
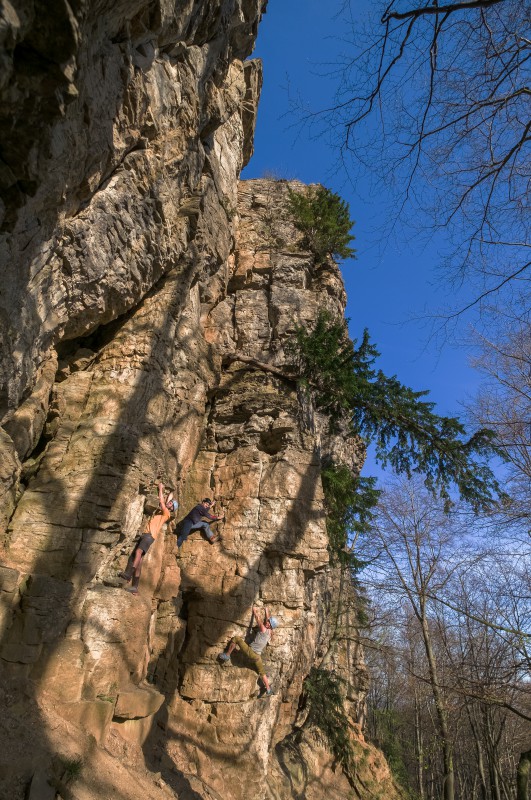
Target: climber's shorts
point(145, 542)
point(251, 655)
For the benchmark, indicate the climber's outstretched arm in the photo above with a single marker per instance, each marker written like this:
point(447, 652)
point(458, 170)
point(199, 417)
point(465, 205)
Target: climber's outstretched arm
point(162, 503)
point(258, 620)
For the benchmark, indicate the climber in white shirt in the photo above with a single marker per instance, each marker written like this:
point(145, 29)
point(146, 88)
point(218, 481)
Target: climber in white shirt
point(253, 651)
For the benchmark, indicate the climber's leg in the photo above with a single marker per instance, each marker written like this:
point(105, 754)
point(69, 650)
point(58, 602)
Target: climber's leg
point(134, 585)
point(137, 563)
point(141, 548)
point(137, 567)
point(186, 527)
point(207, 530)
point(235, 642)
point(127, 574)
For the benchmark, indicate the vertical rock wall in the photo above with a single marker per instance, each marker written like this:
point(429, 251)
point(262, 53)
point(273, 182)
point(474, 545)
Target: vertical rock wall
point(145, 317)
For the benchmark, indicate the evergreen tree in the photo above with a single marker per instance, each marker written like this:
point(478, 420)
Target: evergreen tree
point(324, 218)
point(350, 502)
point(324, 695)
point(409, 436)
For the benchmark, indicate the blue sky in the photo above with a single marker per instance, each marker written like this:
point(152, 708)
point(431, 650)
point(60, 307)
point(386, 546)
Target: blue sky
point(392, 284)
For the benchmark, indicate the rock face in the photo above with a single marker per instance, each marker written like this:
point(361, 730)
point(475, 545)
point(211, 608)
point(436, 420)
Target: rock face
point(148, 308)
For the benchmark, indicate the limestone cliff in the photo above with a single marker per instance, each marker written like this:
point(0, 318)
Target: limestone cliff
point(146, 308)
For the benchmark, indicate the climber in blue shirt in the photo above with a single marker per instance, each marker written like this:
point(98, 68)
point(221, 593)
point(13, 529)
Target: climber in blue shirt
point(194, 521)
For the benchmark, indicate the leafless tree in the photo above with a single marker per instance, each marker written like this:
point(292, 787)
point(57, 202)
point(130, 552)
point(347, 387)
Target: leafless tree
point(504, 404)
point(455, 655)
point(410, 538)
point(437, 95)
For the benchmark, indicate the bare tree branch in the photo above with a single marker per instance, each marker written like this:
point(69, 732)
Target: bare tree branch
point(434, 9)
point(447, 86)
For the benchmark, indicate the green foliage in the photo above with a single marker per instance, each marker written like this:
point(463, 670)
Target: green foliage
point(349, 503)
point(323, 693)
point(409, 436)
point(71, 768)
point(324, 218)
point(107, 698)
point(390, 739)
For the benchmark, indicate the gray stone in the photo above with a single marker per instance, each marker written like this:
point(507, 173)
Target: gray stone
point(8, 579)
point(20, 653)
point(137, 702)
point(39, 788)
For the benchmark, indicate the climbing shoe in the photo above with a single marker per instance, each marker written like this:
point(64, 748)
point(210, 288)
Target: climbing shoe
point(134, 588)
point(224, 658)
point(124, 576)
point(266, 693)
point(215, 539)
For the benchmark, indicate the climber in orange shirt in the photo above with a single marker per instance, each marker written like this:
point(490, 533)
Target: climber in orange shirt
point(134, 565)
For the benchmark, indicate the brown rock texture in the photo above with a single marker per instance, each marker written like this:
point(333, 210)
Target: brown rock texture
point(148, 308)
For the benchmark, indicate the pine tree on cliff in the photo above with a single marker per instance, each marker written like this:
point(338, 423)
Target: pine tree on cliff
point(324, 219)
point(408, 434)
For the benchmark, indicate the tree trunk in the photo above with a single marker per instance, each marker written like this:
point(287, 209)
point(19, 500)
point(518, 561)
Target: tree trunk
point(419, 748)
point(448, 763)
point(470, 708)
point(522, 775)
point(492, 747)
